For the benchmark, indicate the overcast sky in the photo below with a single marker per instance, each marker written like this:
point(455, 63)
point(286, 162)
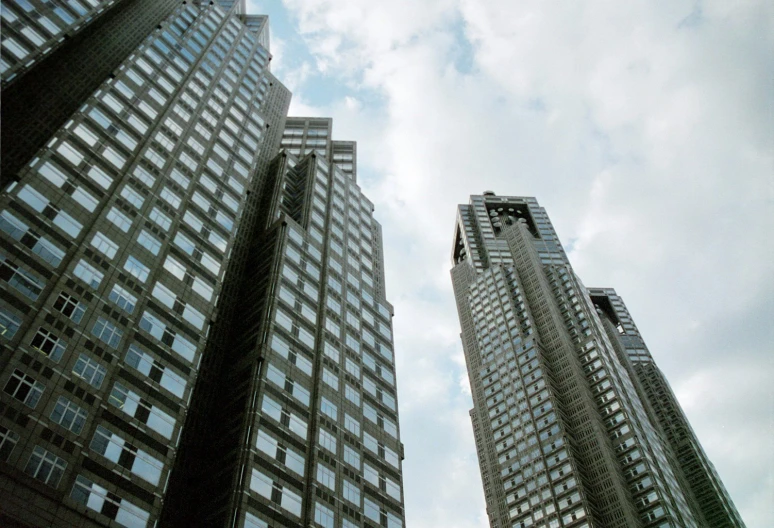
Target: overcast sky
point(645, 130)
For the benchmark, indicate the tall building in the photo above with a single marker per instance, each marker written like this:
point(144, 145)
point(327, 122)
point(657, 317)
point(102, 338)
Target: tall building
point(193, 322)
point(574, 423)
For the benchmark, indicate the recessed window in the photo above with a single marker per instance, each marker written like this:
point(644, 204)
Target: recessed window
point(49, 344)
point(69, 415)
point(24, 388)
point(89, 370)
point(45, 467)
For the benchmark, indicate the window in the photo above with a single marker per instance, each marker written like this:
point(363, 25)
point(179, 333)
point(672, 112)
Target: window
point(277, 450)
point(202, 288)
point(281, 380)
point(352, 394)
point(149, 242)
point(184, 243)
point(133, 197)
point(117, 450)
point(88, 274)
point(275, 411)
point(351, 457)
point(90, 370)
point(328, 441)
point(328, 408)
point(20, 279)
point(145, 364)
point(97, 498)
point(107, 332)
point(67, 223)
point(326, 477)
point(49, 344)
point(120, 220)
point(122, 298)
point(131, 403)
point(12, 225)
point(160, 219)
point(9, 323)
point(84, 199)
point(323, 516)
point(330, 351)
point(281, 347)
point(171, 198)
point(137, 268)
point(8, 440)
point(251, 521)
point(24, 388)
point(68, 415)
point(351, 492)
point(275, 492)
point(45, 466)
point(331, 379)
point(353, 368)
point(352, 425)
point(104, 245)
point(48, 251)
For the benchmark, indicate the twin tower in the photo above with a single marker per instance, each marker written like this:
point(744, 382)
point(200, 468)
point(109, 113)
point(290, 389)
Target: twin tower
point(193, 322)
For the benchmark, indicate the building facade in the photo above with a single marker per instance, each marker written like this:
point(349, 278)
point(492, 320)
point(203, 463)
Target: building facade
point(193, 322)
point(574, 424)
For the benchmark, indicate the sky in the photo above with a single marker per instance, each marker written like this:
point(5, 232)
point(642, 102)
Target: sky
point(646, 131)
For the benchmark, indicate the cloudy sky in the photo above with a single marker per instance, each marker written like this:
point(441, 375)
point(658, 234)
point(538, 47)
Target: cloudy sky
point(644, 128)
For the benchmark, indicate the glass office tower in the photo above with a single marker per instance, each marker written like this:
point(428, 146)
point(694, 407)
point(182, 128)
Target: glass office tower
point(574, 424)
point(193, 323)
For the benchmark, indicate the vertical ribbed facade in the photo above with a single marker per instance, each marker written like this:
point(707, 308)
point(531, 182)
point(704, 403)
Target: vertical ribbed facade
point(78, 54)
point(717, 508)
point(116, 239)
point(193, 323)
point(564, 424)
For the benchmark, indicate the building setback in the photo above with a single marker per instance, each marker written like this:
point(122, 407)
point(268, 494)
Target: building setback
point(575, 425)
point(193, 320)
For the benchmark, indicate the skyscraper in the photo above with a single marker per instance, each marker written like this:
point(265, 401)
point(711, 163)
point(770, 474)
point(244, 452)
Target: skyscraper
point(574, 423)
point(193, 323)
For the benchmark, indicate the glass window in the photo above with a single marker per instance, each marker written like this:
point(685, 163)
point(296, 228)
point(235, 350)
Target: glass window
point(120, 220)
point(33, 198)
point(68, 415)
point(24, 388)
point(160, 218)
point(171, 198)
point(323, 516)
point(137, 268)
point(48, 251)
point(122, 298)
point(88, 274)
point(351, 492)
point(107, 332)
point(90, 370)
point(351, 457)
point(9, 323)
point(85, 199)
point(330, 379)
point(104, 245)
point(8, 440)
point(45, 466)
point(328, 408)
point(352, 425)
point(327, 441)
point(49, 344)
point(132, 196)
point(68, 224)
point(149, 242)
point(174, 267)
point(202, 288)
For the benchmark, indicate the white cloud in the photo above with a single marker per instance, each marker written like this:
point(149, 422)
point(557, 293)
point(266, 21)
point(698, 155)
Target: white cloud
point(644, 129)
